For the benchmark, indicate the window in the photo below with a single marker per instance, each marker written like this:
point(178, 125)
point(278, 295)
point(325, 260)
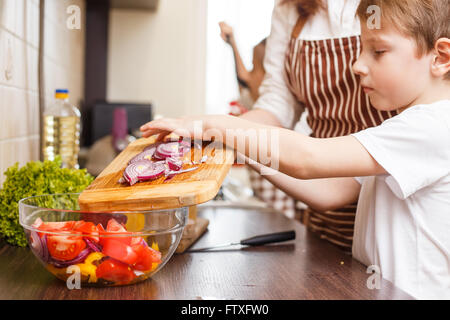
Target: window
point(251, 21)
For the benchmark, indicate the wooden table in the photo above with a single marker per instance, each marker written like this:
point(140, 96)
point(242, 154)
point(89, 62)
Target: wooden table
point(307, 268)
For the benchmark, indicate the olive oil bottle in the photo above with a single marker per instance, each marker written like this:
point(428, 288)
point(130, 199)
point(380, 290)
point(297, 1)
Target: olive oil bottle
point(61, 131)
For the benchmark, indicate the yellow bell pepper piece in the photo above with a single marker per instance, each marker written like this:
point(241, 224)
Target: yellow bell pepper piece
point(94, 256)
point(135, 222)
point(88, 268)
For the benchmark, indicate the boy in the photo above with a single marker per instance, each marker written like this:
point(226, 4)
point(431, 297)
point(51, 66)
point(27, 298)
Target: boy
point(403, 218)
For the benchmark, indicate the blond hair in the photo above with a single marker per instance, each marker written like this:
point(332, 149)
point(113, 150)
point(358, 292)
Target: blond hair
point(426, 21)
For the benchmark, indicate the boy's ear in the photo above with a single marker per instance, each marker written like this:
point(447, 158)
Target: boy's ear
point(441, 62)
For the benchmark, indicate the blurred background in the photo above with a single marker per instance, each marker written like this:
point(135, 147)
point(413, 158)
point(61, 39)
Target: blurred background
point(120, 63)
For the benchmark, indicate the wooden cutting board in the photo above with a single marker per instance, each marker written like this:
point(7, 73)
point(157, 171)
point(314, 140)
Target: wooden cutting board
point(185, 189)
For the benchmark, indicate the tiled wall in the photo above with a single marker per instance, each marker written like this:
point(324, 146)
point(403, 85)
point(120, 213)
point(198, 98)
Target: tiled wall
point(63, 68)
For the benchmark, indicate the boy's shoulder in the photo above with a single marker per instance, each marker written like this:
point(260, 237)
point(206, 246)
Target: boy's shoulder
point(436, 112)
point(440, 106)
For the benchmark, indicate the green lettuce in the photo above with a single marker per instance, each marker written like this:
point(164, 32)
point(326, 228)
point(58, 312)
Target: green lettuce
point(35, 178)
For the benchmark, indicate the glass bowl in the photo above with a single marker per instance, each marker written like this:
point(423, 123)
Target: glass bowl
point(100, 248)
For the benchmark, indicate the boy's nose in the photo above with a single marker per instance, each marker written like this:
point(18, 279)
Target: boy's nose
point(360, 68)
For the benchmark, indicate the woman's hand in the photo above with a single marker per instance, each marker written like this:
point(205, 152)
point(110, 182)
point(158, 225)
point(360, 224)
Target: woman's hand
point(226, 32)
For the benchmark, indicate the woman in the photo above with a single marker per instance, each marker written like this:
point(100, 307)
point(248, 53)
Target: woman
point(309, 56)
point(249, 83)
point(249, 80)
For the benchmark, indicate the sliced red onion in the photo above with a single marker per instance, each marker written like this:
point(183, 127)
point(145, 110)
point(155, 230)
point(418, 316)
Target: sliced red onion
point(151, 149)
point(171, 149)
point(157, 158)
point(79, 259)
point(152, 146)
point(145, 155)
point(133, 171)
point(152, 173)
point(131, 180)
point(122, 180)
point(39, 246)
point(174, 164)
point(185, 142)
point(185, 146)
point(92, 245)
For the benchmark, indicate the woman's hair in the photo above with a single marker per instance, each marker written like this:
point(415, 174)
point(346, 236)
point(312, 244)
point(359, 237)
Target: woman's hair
point(307, 8)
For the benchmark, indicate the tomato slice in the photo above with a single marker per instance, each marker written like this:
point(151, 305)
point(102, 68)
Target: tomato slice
point(119, 251)
point(57, 226)
point(146, 257)
point(65, 247)
point(136, 241)
point(115, 271)
point(52, 226)
point(116, 228)
point(88, 229)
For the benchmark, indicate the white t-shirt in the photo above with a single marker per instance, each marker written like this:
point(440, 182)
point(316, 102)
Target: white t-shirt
point(339, 20)
point(403, 218)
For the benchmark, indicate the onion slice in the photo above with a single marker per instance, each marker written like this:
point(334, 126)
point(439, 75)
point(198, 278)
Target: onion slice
point(92, 245)
point(132, 172)
point(174, 164)
point(152, 146)
point(39, 246)
point(154, 172)
point(145, 155)
point(171, 149)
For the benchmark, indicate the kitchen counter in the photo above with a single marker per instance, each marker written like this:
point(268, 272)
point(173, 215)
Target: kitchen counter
point(306, 268)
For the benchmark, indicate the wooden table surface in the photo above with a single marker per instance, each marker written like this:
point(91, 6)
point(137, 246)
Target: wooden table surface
point(306, 268)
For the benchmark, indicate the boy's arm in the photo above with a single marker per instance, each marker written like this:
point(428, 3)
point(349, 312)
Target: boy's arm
point(319, 194)
point(289, 152)
point(261, 116)
point(292, 153)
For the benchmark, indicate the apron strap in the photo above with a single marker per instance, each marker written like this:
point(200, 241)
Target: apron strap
point(298, 27)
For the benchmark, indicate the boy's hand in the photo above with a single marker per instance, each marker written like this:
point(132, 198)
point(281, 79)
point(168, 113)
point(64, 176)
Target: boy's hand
point(196, 128)
point(183, 127)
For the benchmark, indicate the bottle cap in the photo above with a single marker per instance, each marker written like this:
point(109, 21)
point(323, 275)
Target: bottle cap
point(61, 93)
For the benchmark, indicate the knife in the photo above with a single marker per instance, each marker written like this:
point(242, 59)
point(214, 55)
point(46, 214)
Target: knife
point(255, 241)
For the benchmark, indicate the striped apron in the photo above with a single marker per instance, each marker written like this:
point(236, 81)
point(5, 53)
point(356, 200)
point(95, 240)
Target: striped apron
point(319, 74)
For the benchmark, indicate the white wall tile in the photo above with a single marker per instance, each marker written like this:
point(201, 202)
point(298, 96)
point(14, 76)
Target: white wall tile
point(13, 62)
point(12, 16)
point(32, 79)
point(32, 25)
point(19, 111)
point(19, 150)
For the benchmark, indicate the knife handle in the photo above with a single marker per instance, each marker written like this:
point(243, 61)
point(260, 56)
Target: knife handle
point(269, 238)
